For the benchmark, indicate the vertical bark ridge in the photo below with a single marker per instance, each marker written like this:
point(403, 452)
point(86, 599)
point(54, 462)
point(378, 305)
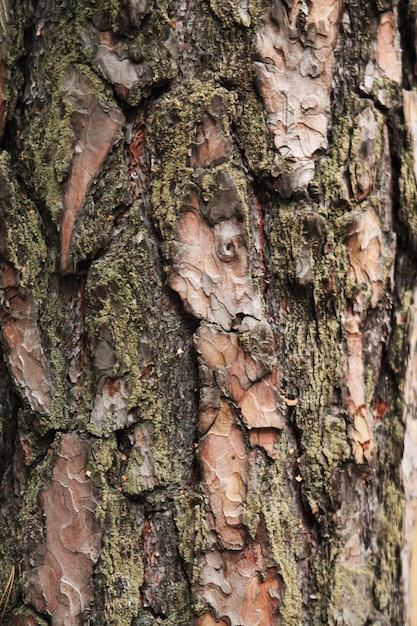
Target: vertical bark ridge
point(208, 225)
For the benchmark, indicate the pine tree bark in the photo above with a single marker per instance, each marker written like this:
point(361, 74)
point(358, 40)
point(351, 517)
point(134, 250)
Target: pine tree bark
point(208, 304)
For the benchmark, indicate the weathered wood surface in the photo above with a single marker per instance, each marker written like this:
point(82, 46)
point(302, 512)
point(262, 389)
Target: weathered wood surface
point(208, 229)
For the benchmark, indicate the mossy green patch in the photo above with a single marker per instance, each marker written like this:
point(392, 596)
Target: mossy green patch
point(122, 298)
point(191, 524)
point(253, 136)
point(232, 63)
point(155, 46)
point(24, 246)
point(340, 171)
point(150, 464)
point(190, 520)
point(47, 139)
point(117, 15)
point(351, 594)
point(22, 232)
point(390, 538)
point(172, 134)
point(120, 568)
point(15, 17)
point(56, 323)
point(398, 345)
point(269, 499)
point(104, 451)
point(125, 298)
point(231, 13)
point(310, 355)
point(408, 190)
point(309, 268)
point(22, 531)
point(109, 10)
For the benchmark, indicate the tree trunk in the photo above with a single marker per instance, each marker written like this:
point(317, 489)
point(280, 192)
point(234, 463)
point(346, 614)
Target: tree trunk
point(208, 298)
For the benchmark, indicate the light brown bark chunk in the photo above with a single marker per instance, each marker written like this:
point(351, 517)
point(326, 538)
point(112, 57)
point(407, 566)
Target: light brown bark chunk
point(388, 48)
point(294, 66)
point(96, 128)
point(210, 270)
point(72, 541)
point(24, 352)
point(367, 261)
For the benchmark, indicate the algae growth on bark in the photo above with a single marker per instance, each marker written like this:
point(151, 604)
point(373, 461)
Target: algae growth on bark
point(208, 242)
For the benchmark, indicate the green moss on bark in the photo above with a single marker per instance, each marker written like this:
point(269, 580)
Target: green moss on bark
point(123, 297)
point(126, 297)
point(398, 345)
point(173, 127)
point(190, 520)
point(408, 190)
point(390, 538)
point(47, 140)
point(351, 589)
point(269, 500)
point(56, 323)
point(120, 568)
point(22, 237)
point(28, 532)
point(231, 13)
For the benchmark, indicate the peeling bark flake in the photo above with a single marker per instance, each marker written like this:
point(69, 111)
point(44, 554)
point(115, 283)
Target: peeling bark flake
point(367, 263)
point(294, 65)
point(96, 128)
point(24, 352)
point(72, 543)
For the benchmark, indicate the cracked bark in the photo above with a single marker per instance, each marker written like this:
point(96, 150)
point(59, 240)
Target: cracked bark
point(208, 231)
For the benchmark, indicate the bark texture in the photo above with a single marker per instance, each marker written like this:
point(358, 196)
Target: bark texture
point(208, 235)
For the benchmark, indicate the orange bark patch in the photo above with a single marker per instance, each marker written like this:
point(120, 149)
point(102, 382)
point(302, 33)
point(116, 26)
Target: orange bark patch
point(380, 408)
point(365, 253)
point(259, 406)
point(388, 49)
point(137, 169)
point(72, 541)
point(361, 430)
point(218, 348)
point(96, 128)
point(23, 350)
point(27, 362)
point(367, 267)
point(240, 588)
point(244, 375)
point(211, 147)
point(210, 270)
point(266, 438)
point(223, 460)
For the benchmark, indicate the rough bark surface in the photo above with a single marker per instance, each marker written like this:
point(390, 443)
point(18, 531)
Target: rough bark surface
point(208, 237)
